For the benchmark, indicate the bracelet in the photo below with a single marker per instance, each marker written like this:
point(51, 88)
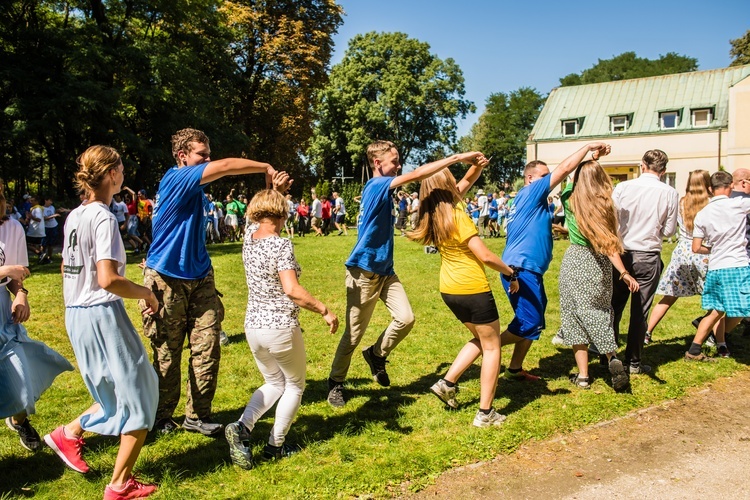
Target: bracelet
point(22, 289)
point(513, 277)
point(623, 274)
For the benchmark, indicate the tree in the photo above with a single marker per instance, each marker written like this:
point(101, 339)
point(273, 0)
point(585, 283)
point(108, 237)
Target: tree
point(388, 86)
point(502, 130)
point(740, 50)
point(627, 65)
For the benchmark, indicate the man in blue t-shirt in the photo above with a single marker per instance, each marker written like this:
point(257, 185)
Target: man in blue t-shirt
point(178, 270)
point(369, 268)
point(529, 251)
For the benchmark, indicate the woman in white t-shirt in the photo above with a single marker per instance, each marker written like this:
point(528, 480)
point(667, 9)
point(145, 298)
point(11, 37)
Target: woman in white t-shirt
point(113, 362)
point(27, 367)
point(272, 328)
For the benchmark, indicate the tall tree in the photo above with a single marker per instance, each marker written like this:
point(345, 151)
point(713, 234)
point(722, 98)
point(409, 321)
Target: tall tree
point(388, 86)
point(502, 130)
point(627, 65)
point(740, 50)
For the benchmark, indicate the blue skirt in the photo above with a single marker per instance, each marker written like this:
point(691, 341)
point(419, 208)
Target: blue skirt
point(27, 367)
point(115, 368)
point(728, 290)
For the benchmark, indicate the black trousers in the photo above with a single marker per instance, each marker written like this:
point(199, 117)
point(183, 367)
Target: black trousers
point(646, 268)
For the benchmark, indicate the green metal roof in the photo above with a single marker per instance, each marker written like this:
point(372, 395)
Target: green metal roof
point(641, 99)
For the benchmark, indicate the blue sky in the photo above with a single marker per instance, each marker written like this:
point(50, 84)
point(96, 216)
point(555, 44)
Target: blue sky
point(501, 45)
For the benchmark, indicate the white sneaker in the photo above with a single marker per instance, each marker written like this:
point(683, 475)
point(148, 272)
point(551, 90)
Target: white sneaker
point(223, 338)
point(493, 418)
point(446, 394)
point(557, 339)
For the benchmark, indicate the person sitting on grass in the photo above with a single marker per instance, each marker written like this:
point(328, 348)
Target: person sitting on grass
point(463, 284)
point(585, 279)
point(726, 292)
point(113, 362)
point(272, 328)
point(369, 268)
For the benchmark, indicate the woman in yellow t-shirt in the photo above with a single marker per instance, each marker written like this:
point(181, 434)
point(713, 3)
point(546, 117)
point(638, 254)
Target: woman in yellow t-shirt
point(463, 283)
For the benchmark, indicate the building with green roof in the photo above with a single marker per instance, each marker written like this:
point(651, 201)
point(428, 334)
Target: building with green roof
point(700, 119)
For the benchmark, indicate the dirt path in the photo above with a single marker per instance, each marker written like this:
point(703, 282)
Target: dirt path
point(696, 447)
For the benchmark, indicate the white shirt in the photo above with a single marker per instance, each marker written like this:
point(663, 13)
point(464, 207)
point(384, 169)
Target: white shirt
point(646, 211)
point(50, 210)
point(12, 246)
point(91, 235)
point(723, 222)
point(317, 209)
point(339, 204)
point(415, 205)
point(36, 227)
point(120, 210)
point(484, 206)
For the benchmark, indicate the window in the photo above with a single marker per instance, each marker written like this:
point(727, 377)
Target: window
point(701, 117)
point(669, 119)
point(670, 179)
point(569, 127)
point(618, 124)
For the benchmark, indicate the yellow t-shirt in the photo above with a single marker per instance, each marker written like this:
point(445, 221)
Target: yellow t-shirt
point(461, 273)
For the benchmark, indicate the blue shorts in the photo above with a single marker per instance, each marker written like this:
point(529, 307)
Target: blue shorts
point(728, 290)
point(528, 304)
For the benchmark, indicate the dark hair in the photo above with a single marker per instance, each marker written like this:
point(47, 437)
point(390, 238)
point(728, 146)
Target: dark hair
point(532, 165)
point(721, 180)
point(655, 160)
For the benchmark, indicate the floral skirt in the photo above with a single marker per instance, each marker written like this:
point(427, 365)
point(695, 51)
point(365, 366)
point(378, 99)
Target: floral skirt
point(685, 273)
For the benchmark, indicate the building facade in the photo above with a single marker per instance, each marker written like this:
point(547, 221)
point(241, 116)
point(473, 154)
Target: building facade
point(700, 119)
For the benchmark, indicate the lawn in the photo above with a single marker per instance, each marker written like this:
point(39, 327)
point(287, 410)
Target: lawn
point(384, 440)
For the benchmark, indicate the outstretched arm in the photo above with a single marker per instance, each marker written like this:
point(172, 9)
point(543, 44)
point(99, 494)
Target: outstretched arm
point(570, 163)
point(430, 169)
point(235, 166)
point(472, 175)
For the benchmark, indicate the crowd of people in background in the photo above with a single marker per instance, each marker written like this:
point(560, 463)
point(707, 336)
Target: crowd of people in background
point(616, 235)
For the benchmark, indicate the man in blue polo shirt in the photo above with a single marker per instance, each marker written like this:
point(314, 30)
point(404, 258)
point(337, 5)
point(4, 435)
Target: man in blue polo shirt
point(369, 268)
point(178, 270)
point(529, 251)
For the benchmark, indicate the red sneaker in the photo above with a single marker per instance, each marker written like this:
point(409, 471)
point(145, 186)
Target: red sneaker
point(522, 376)
point(68, 449)
point(132, 489)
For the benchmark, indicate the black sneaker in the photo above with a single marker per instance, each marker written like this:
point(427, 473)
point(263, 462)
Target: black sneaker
point(238, 438)
point(205, 426)
point(29, 436)
point(166, 426)
point(377, 367)
point(639, 369)
point(336, 394)
point(647, 338)
point(723, 351)
point(271, 452)
point(620, 378)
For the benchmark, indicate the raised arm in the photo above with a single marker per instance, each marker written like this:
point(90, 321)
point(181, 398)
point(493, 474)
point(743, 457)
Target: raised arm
point(570, 163)
point(429, 169)
point(472, 175)
point(132, 193)
point(236, 166)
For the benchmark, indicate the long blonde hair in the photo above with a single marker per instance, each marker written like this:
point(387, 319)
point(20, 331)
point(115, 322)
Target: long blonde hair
point(591, 203)
point(696, 197)
point(438, 197)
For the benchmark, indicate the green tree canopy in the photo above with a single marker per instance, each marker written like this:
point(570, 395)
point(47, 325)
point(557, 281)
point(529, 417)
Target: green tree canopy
point(627, 65)
point(740, 50)
point(502, 130)
point(388, 86)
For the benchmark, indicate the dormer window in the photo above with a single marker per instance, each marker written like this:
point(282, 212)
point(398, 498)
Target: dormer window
point(701, 117)
point(571, 127)
point(618, 124)
point(669, 119)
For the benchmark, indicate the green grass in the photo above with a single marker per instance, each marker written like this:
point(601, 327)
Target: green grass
point(382, 439)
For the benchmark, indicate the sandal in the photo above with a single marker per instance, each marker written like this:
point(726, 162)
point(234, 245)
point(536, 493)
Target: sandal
point(580, 382)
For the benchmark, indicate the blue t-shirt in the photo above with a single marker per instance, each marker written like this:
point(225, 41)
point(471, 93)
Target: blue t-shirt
point(374, 248)
point(493, 209)
point(529, 237)
point(403, 204)
point(178, 248)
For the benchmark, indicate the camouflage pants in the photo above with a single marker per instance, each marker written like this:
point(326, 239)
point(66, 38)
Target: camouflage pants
point(192, 309)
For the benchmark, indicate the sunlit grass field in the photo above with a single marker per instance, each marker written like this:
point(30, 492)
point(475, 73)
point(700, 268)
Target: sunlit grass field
point(385, 441)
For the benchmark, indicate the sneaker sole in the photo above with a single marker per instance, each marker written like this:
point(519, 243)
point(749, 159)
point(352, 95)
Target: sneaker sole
point(494, 423)
point(51, 443)
point(235, 453)
point(190, 428)
point(440, 397)
point(620, 379)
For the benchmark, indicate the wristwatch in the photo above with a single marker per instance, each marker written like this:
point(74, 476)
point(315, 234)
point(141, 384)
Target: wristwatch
point(513, 277)
point(22, 289)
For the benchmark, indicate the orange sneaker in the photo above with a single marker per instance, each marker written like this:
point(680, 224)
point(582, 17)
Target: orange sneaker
point(68, 449)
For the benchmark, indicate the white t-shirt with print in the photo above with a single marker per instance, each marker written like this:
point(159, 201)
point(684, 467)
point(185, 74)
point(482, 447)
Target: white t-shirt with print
point(36, 227)
point(268, 307)
point(12, 246)
point(91, 235)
